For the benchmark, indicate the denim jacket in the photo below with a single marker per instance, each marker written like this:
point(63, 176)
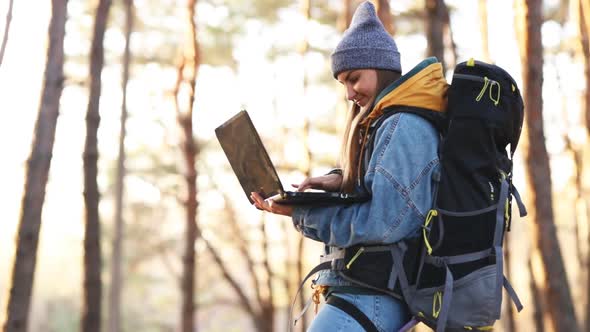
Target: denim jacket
point(398, 177)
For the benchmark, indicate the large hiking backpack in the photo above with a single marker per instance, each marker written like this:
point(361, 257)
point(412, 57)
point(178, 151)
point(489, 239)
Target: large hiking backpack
point(460, 278)
point(451, 276)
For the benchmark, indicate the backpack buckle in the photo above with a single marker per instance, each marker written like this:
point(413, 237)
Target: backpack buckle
point(437, 261)
point(338, 264)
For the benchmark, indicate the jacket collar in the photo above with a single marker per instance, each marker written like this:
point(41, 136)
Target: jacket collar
point(424, 86)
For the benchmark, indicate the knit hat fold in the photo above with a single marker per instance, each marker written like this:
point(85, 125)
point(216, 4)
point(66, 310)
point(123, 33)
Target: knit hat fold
point(365, 44)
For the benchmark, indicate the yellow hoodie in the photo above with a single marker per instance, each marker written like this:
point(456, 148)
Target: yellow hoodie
point(424, 86)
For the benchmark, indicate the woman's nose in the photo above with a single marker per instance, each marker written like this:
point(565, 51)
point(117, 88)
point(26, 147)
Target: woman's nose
point(350, 93)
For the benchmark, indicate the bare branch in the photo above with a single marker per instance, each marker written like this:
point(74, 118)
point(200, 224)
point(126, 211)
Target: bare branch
point(242, 243)
point(232, 282)
point(6, 30)
point(268, 306)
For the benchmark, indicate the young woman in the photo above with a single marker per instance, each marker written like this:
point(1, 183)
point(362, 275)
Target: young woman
point(398, 175)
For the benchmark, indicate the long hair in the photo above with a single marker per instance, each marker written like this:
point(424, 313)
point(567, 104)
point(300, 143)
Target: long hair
point(351, 142)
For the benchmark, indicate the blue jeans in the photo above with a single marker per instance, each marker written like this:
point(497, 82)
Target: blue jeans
point(386, 312)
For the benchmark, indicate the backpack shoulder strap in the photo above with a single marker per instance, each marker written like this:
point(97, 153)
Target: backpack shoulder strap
point(437, 119)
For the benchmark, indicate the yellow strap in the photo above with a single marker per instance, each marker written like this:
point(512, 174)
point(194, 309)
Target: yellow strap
point(486, 81)
point(436, 304)
point(497, 100)
point(506, 208)
point(431, 213)
point(513, 87)
point(470, 62)
point(358, 253)
point(481, 328)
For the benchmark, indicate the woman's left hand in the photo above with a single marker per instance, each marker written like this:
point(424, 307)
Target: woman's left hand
point(270, 206)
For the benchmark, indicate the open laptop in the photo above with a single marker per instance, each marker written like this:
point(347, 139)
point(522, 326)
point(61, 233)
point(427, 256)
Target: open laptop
point(252, 165)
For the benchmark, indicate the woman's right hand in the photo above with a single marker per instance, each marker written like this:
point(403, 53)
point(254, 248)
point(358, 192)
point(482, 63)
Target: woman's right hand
point(329, 182)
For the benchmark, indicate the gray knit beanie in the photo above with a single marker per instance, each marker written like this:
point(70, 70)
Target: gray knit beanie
point(365, 44)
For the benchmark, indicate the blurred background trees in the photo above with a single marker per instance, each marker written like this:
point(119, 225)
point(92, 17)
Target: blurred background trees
point(147, 176)
point(38, 165)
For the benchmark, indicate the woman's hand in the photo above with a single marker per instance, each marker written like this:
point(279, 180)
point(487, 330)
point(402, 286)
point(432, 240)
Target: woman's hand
point(270, 206)
point(330, 182)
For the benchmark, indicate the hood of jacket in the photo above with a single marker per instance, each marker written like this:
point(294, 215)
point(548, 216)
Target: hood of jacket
point(424, 86)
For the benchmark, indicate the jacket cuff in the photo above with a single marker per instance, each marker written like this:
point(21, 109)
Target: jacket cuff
point(335, 171)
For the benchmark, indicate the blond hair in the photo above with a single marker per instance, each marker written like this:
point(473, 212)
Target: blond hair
point(351, 146)
point(352, 141)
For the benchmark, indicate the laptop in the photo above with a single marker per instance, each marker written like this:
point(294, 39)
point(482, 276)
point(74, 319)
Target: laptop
point(255, 171)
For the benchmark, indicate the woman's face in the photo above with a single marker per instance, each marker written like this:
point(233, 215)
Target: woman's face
point(361, 85)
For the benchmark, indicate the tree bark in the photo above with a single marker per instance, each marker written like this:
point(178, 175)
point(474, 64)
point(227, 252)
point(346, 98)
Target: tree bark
point(434, 30)
point(187, 74)
point(346, 15)
point(560, 305)
point(6, 31)
point(537, 300)
point(91, 315)
point(511, 325)
point(448, 36)
point(306, 12)
point(483, 29)
point(267, 316)
point(38, 164)
point(384, 13)
point(584, 21)
point(584, 28)
point(114, 324)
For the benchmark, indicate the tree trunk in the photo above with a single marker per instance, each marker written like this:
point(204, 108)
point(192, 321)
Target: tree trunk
point(187, 74)
point(287, 280)
point(346, 15)
point(434, 30)
point(6, 30)
point(304, 47)
point(584, 27)
point(511, 325)
point(114, 324)
point(560, 305)
point(344, 18)
point(267, 315)
point(448, 36)
point(91, 316)
point(300, 275)
point(537, 300)
point(384, 14)
point(483, 29)
point(38, 164)
point(584, 21)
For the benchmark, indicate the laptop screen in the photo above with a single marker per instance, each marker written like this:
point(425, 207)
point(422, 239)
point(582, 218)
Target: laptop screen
point(248, 157)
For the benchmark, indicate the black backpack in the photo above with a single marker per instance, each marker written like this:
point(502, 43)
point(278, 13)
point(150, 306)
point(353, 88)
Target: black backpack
point(459, 278)
point(451, 276)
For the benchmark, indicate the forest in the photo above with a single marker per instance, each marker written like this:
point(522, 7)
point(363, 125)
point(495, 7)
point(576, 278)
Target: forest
point(120, 211)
